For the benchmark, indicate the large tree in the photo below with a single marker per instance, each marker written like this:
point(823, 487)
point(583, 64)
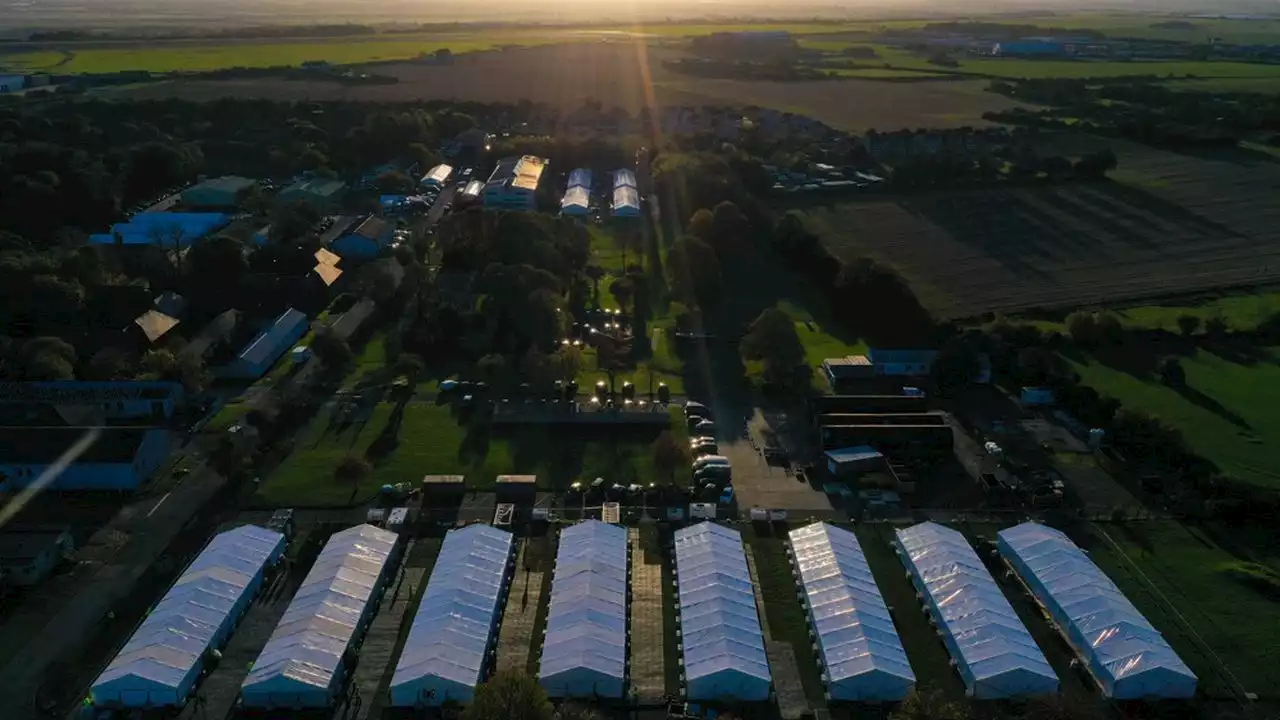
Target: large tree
point(773, 339)
point(669, 455)
point(694, 270)
point(509, 695)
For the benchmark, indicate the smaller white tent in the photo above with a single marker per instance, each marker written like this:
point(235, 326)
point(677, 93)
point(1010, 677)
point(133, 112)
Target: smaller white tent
point(452, 633)
point(302, 664)
point(161, 663)
point(724, 657)
point(585, 651)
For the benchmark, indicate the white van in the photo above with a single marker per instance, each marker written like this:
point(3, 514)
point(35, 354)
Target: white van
point(706, 460)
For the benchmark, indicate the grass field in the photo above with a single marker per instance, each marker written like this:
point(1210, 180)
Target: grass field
point(1162, 565)
point(1230, 414)
point(430, 441)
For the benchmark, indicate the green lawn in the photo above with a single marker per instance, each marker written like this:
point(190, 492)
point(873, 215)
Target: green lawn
point(871, 73)
point(1022, 68)
point(1242, 312)
point(369, 363)
point(1248, 448)
point(1190, 575)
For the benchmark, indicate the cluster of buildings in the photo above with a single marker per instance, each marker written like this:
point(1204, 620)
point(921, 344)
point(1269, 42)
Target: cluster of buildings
point(625, 196)
point(890, 146)
point(14, 83)
point(513, 185)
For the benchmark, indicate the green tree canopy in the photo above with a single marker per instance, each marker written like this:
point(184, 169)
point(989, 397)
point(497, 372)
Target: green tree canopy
point(509, 695)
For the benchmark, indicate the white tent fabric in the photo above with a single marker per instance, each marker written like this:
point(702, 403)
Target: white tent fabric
point(862, 655)
point(160, 664)
point(1129, 657)
point(580, 177)
point(994, 653)
point(724, 657)
point(585, 651)
point(455, 626)
point(302, 663)
point(626, 201)
point(576, 201)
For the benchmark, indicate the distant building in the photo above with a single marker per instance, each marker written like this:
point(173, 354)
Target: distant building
point(318, 192)
point(168, 230)
point(120, 459)
point(902, 362)
point(12, 83)
point(850, 368)
point(577, 195)
point(1015, 48)
point(437, 177)
point(626, 198)
point(264, 350)
point(514, 183)
point(849, 462)
point(155, 324)
point(29, 554)
point(365, 241)
point(470, 194)
point(223, 193)
point(1036, 396)
point(85, 402)
point(468, 146)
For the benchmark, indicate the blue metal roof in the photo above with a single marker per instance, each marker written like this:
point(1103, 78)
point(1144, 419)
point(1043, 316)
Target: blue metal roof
point(322, 622)
point(623, 178)
point(994, 652)
point(160, 663)
point(862, 655)
point(166, 229)
point(587, 618)
point(1126, 654)
point(454, 626)
point(580, 177)
point(719, 624)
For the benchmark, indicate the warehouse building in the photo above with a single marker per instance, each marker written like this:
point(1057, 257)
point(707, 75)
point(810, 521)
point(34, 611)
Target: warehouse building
point(902, 363)
point(436, 177)
point(577, 195)
point(160, 665)
point(514, 183)
point(862, 656)
point(1126, 655)
point(28, 554)
point(723, 646)
point(264, 350)
point(993, 651)
point(626, 198)
point(12, 83)
point(584, 654)
point(120, 459)
point(224, 193)
point(850, 462)
point(453, 634)
point(91, 402)
point(305, 660)
point(365, 241)
point(317, 192)
point(167, 230)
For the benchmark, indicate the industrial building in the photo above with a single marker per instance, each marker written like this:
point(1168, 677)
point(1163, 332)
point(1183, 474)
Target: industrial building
point(470, 194)
point(169, 231)
point(824, 405)
point(626, 198)
point(514, 183)
point(365, 241)
point(584, 654)
point(930, 436)
point(224, 193)
point(305, 661)
point(1128, 657)
point(317, 192)
point(862, 656)
point(155, 324)
point(993, 651)
point(723, 646)
point(29, 553)
point(90, 402)
point(840, 372)
point(456, 627)
point(12, 83)
point(577, 195)
point(902, 363)
point(161, 663)
point(267, 347)
point(436, 177)
point(849, 462)
point(120, 459)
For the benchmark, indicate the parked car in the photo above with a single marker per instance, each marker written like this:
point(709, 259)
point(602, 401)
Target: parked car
point(694, 409)
point(705, 427)
point(705, 460)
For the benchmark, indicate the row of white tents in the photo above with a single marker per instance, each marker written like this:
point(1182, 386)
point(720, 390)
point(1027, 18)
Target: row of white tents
point(452, 638)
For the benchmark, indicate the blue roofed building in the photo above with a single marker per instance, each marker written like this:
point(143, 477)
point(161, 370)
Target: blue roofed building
point(993, 651)
point(861, 653)
point(120, 459)
point(447, 652)
point(1127, 656)
point(724, 657)
point(626, 198)
point(305, 660)
point(161, 663)
point(907, 363)
point(577, 195)
point(365, 241)
point(167, 230)
point(267, 347)
point(584, 654)
point(100, 400)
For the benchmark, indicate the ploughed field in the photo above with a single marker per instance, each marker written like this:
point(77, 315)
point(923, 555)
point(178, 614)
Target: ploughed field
point(1169, 224)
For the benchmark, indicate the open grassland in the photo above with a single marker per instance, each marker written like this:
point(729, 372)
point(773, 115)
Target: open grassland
point(1229, 412)
point(1188, 588)
point(1265, 85)
point(404, 443)
point(618, 74)
point(1173, 224)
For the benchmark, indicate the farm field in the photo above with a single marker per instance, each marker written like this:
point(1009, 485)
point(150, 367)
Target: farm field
point(1229, 413)
point(618, 74)
point(1161, 565)
point(1173, 224)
